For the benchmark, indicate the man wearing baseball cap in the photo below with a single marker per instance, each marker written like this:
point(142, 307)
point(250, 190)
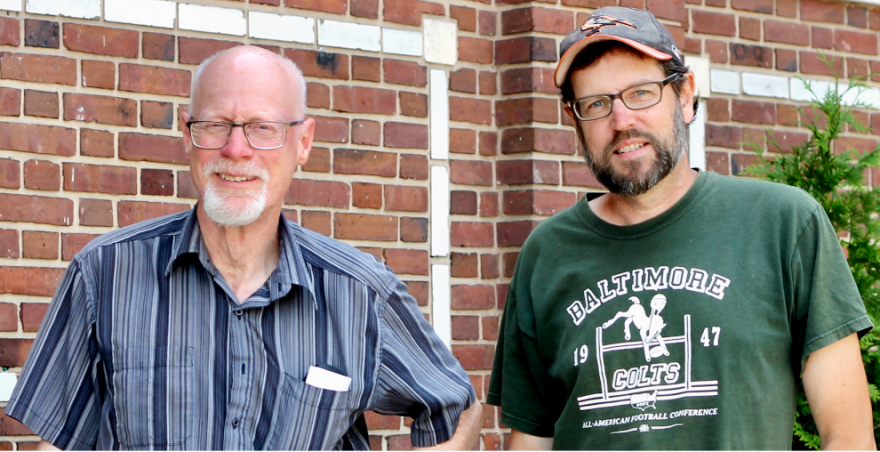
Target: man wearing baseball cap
point(750, 277)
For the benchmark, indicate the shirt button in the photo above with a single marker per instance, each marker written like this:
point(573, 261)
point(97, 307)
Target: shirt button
point(235, 423)
point(238, 313)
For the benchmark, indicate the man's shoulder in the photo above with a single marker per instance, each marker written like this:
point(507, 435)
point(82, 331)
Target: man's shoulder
point(145, 230)
point(755, 194)
point(332, 255)
point(769, 211)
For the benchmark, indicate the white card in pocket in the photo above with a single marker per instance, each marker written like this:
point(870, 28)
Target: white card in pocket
point(325, 379)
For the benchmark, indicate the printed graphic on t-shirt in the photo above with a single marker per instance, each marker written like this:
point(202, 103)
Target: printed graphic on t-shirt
point(660, 359)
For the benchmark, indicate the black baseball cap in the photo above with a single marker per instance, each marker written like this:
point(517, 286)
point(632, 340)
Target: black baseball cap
point(636, 28)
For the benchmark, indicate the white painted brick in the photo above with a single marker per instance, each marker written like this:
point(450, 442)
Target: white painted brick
point(851, 97)
point(439, 211)
point(871, 97)
point(765, 85)
point(401, 42)
point(12, 5)
point(700, 67)
point(7, 383)
point(441, 41)
point(726, 82)
point(347, 35)
point(81, 9)
point(441, 302)
point(697, 140)
point(281, 28)
point(211, 19)
point(152, 13)
point(439, 115)
point(800, 92)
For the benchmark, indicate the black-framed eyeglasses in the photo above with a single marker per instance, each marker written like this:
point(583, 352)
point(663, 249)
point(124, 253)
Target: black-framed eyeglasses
point(262, 135)
point(635, 98)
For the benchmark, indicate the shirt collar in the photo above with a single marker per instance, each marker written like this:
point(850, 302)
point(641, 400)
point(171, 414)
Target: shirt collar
point(291, 270)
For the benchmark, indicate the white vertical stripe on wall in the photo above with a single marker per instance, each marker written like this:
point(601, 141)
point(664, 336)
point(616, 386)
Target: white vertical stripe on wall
point(439, 211)
point(439, 115)
point(7, 383)
point(697, 139)
point(441, 311)
point(700, 67)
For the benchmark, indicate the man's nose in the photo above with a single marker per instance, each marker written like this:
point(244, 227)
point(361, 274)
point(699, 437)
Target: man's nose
point(622, 118)
point(237, 145)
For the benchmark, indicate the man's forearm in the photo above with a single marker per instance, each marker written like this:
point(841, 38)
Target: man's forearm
point(861, 443)
point(837, 390)
point(467, 434)
point(522, 441)
point(46, 445)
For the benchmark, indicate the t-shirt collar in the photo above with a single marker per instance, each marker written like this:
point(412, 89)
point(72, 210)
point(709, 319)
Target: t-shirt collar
point(682, 206)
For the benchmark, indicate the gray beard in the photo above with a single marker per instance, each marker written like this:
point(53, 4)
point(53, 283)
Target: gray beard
point(670, 150)
point(219, 205)
point(218, 209)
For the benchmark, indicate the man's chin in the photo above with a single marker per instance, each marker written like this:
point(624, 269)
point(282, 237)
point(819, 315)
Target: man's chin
point(231, 210)
point(249, 192)
point(232, 216)
point(632, 183)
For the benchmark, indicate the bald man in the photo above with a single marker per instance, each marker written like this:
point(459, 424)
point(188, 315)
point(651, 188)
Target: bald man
point(228, 326)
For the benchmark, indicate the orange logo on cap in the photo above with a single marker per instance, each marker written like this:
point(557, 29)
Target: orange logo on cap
point(594, 24)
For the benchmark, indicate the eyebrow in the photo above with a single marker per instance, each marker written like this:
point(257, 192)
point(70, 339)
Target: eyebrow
point(640, 82)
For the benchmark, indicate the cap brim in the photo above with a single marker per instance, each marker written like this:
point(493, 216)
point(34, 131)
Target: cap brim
point(569, 56)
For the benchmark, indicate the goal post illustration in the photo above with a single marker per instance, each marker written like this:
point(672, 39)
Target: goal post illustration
point(683, 386)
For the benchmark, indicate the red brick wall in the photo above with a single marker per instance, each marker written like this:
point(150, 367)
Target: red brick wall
point(89, 139)
point(784, 38)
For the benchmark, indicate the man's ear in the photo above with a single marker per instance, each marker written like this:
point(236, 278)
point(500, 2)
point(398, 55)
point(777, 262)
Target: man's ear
point(569, 112)
point(686, 97)
point(184, 118)
point(305, 141)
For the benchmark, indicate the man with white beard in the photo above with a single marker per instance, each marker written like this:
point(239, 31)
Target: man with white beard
point(228, 326)
point(780, 305)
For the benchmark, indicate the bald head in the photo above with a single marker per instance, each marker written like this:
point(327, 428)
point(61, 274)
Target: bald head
point(250, 65)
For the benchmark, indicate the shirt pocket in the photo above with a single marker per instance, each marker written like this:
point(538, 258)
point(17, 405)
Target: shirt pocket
point(153, 400)
point(309, 418)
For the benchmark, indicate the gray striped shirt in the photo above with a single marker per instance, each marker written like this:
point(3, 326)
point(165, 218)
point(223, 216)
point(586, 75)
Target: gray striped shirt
point(144, 347)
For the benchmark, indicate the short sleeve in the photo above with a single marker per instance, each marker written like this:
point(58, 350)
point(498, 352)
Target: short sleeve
point(56, 394)
point(418, 376)
point(518, 384)
point(828, 306)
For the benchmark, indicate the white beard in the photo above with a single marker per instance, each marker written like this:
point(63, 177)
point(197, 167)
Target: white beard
point(234, 207)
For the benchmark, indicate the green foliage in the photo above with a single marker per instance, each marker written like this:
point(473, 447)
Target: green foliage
point(835, 177)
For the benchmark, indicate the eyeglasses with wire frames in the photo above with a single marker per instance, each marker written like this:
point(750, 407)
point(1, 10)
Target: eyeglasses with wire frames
point(261, 135)
point(636, 97)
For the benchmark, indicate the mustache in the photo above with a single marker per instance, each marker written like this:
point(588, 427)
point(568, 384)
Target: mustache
point(620, 137)
point(247, 169)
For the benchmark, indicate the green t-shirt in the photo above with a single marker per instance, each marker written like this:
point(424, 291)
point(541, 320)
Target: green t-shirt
point(686, 331)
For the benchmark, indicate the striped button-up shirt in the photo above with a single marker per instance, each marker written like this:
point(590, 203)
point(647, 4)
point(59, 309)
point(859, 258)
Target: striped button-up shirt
point(145, 347)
